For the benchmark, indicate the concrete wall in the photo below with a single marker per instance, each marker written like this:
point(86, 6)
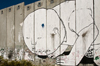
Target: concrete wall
point(56, 32)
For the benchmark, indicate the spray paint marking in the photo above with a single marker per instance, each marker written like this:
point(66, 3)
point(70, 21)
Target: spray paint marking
point(42, 25)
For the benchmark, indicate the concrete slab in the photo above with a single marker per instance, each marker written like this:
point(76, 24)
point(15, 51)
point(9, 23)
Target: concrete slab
point(84, 28)
point(10, 32)
point(53, 26)
point(52, 3)
point(19, 18)
point(96, 17)
point(40, 4)
point(28, 10)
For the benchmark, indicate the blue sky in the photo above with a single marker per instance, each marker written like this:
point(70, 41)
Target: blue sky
point(7, 3)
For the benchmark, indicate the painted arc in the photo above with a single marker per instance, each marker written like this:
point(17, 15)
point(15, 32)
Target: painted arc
point(76, 37)
point(39, 45)
point(40, 32)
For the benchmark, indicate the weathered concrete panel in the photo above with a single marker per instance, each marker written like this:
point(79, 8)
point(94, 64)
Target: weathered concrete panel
point(40, 27)
point(84, 29)
point(97, 32)
point(19, 17)
point(10, 32)
point(29, 31)
point(40, 4)
point(53, 29)
point(29, 9)
point(67, 35)
point(52, 3)
point(3, 28)
point(89, 65)
point(80, 65)
point(3, 32)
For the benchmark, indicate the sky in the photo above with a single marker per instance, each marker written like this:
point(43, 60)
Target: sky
point(7, 3)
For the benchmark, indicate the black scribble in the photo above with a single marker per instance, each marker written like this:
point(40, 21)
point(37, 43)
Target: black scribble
point(90, 53)
point(90, 10)
point(78, 10)
point(73, 30)
point(97, 44)
point(65, 36)
point(95, 37)
point(85, 27)
point(71, 14)
point(97, 48)
point(56, 29)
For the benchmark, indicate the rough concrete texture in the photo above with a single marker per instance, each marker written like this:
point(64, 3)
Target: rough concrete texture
point(96, 16)
point(10, 32)
point(3, 32)
point(40, 4)
point(3, 29)
point(52, 3)
point(19, 18)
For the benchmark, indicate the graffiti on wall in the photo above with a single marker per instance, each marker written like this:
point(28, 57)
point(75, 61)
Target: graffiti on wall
point(60, 32)
point(66, 34)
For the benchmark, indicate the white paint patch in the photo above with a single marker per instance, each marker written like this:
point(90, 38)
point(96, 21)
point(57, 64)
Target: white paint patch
point(97, 56)
point(26, 56)
point(19, 36)
point(21, 24)
point(28, 31)
point(13, 27)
